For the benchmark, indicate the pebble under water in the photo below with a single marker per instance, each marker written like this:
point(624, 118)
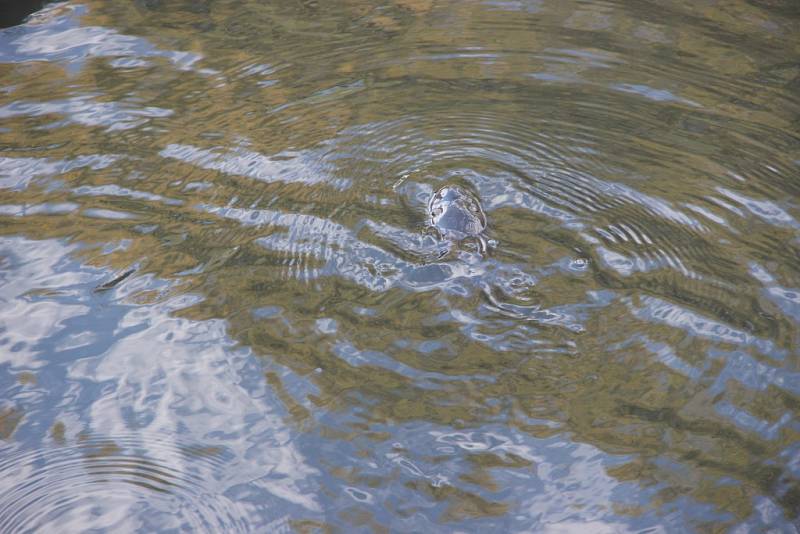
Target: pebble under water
point(222, 307)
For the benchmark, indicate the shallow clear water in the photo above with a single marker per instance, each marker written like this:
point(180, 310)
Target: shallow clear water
point(293, 349)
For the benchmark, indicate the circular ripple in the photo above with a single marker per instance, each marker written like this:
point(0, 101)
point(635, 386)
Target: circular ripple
point(87, 485)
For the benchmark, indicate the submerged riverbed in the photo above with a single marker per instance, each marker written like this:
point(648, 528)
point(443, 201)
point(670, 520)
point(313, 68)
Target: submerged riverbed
point(286, 355)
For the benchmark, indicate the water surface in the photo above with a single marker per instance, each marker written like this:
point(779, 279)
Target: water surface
point(221, 309)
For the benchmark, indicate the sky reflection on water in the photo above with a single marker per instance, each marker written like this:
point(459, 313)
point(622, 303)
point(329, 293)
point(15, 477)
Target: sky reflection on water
point(221, 309)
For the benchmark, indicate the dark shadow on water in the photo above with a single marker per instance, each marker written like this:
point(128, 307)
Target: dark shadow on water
point(13, 12)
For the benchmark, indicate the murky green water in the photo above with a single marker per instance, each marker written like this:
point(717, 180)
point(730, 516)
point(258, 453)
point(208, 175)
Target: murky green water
point(294, 348)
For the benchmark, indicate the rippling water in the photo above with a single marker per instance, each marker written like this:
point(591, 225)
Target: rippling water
point(222, 310)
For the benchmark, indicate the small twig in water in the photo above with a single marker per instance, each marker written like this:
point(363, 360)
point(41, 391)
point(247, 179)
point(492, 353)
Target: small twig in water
point(113, 283)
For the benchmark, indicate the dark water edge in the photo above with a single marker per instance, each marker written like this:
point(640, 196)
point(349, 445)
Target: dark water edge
point(13, 12)
point(221, 309)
